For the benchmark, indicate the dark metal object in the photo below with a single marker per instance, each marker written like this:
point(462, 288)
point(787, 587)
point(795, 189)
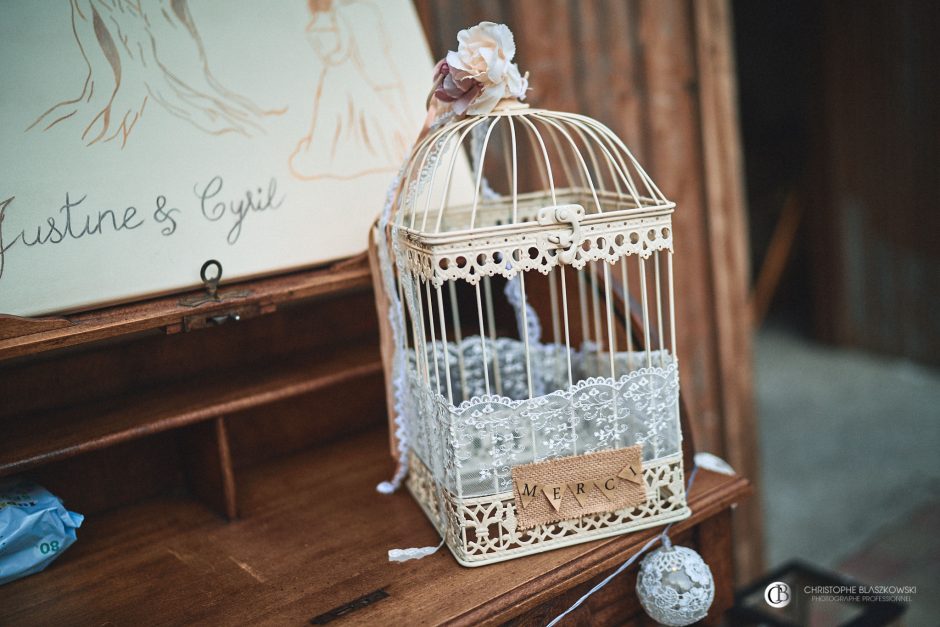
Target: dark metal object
point(348, 608)
point(212, 284)
point(212, 294)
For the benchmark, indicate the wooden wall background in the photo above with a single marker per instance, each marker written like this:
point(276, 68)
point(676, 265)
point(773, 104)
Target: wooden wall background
point(661, 74)
point(876, 263)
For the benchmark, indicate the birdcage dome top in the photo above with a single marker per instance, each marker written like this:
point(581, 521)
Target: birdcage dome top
point(545, 187)
point(515, 151)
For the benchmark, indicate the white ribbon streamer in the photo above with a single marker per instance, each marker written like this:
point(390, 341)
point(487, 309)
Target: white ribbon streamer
point(403, 555)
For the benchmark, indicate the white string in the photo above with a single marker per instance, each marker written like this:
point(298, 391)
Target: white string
point(606, 581)
point(662, 537)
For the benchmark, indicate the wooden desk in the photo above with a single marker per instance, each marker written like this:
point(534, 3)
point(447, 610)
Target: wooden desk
point(296, 555)
point(128, 425)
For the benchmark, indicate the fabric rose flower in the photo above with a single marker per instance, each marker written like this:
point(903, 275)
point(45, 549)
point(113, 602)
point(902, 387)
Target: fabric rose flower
point(481, 72)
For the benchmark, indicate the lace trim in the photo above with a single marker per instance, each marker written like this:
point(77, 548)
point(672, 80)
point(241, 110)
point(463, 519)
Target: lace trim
point(506, 252)
point(472, 446)
point(484, 530)
point(528, 323)
point(569, 394)
point(396, 319)
point(395, 313)
point(675, 586)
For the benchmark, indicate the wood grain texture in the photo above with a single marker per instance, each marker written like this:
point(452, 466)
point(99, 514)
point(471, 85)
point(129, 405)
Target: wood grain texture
point(714, 543)
point(724, 193)
point(168, 313)
point(108, 479)
point(129, 365)
point(68, 431)
point(327, 414)
point(16, 326)
point(170, 557)
point(208, 464)
point(108, 423)
point(661, 74)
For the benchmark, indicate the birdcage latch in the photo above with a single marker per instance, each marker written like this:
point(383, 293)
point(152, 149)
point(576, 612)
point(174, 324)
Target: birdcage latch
point(564, 214)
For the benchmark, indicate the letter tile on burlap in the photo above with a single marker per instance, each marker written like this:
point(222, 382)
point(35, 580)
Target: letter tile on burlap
point(605, 467)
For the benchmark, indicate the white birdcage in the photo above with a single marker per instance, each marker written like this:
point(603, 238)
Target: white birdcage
point(564, 229)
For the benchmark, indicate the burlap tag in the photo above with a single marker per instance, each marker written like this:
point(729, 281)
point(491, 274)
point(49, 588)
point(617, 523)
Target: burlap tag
point(609, 480)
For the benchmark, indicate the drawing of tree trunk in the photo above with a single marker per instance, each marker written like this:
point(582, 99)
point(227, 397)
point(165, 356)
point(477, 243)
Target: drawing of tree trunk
point(140, 53)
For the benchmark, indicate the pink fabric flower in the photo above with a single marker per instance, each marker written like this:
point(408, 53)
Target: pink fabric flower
point(457, 88)
point(480, 73)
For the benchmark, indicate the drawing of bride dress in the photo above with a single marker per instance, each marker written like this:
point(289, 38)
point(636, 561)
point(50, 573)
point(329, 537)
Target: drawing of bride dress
point(358, 125)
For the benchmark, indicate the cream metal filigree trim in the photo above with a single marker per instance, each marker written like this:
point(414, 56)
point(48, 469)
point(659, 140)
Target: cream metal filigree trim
point(483, 530)
point(507, 250)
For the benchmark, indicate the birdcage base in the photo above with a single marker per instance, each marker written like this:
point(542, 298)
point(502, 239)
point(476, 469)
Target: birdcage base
point(483, 530)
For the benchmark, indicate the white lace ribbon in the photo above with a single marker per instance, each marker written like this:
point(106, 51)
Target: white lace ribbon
point(397, 322)
point(710, 461)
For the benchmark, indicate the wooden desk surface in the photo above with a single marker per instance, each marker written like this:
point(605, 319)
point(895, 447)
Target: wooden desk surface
point(313, 536)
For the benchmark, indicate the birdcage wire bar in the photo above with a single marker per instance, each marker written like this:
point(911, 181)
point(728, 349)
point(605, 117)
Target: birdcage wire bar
point(482, 398)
